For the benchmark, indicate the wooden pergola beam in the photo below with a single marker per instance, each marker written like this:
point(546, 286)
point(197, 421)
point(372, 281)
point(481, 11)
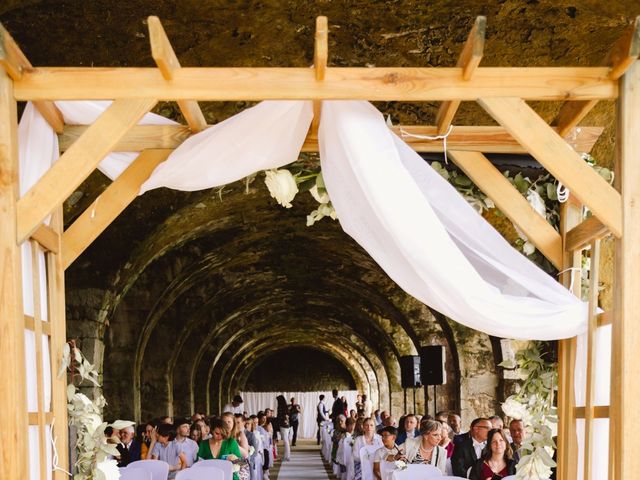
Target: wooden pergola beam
point(77, 163)
point(16, 64)
point(580, 236)
point(320, 60)
point(473, 138)
point(619, 58)
point(625, 365)
point(562, 161)
point(167, 61)
point(108, 205)
point(468, 61)
point(359, 83)
point(510, 202)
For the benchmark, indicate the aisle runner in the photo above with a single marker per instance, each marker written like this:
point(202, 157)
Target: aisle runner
point(306, 463)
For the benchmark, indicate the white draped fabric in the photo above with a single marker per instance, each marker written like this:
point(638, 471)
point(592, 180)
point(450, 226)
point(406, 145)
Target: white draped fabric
point(256, 401)
point(428, 239)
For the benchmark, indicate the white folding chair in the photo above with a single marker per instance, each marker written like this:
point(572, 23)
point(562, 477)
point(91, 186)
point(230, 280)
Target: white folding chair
point(366, 461)
point(134, 474)
point(347, 450)
point(158, 469)
point(418, 472)
point(387, 469)
point(258, 462)
point(448, 477)
point(225, 465)
point(202, 473)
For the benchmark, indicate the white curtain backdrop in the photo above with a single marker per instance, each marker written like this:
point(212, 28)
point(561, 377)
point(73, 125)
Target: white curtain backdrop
point(256, 401)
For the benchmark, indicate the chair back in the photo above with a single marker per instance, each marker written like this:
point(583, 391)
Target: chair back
point(366, 461)
point(417, 472)
point(134, 474)
point(447, 477)
point(225, 465)
point(202, 473)
point(158, 469)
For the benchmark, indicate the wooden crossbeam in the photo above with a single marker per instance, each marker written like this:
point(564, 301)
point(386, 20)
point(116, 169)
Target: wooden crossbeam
point(582, 235)
point(599, 411)
point(167, 61)
point(30, 324)
point(320, 59)
point(510, 202)
point(359, 83)
point(47, 238)
point(75, 165)
point(619, 58)
point(558, 158)
point(109, 204)
point(468, 61)
point(15, 64)
point(483, 139)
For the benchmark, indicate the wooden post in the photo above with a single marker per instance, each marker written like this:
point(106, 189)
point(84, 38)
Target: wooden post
point(14, 438)
point(570, 216)
point(625, 378)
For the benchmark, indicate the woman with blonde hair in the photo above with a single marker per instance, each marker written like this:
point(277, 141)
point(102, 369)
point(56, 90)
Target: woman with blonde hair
point(426, 448)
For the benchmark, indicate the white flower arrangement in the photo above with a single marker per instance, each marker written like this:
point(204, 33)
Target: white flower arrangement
point(85, 415)
point(533, 404)
point(282, 186)
point(400, 464)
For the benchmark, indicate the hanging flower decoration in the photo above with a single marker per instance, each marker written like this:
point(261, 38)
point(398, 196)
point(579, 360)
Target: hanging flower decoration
point(282, 186)
point(533, 404)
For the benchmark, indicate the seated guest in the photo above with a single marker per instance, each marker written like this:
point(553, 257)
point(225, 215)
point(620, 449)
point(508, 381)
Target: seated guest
point(425, 448)
point(446, 442)
point(129, 447)
point(442, 416)
point(467, 452)
point(410, 429)
point(346, 442)
point(205, 428)
point(368, 437)
point(376, 418)
point(455, 423)
point(188, 446)
point(516, 428)
point(146, 440)
point(195, 433)
point(496, 422)
point(383, 416)
point(385, 456)
point(220, 445)
point(163, 447)
point(495, 461)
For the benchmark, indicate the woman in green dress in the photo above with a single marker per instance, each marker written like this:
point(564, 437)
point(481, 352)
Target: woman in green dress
point(220, 446)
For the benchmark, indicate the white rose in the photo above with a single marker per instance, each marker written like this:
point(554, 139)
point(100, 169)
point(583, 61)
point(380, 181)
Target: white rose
point(514, 409)
point(107, 470)
point(528, 248)
point(282, 186)
point(533, 467)
point(400, 465)
point(535, 200)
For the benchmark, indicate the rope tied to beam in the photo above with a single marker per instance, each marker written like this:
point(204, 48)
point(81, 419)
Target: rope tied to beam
point(444, 137)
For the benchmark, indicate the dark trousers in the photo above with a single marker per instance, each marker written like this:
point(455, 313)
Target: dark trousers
point(319, 422)
point(294, 427)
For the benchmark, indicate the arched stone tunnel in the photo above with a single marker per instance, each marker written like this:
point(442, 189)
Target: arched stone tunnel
point(188, 296)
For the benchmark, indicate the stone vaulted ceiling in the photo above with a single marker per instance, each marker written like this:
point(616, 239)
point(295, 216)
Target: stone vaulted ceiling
point(186, 294)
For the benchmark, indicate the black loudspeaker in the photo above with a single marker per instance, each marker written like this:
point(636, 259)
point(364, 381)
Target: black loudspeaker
point(432, 365)
point(410, 371)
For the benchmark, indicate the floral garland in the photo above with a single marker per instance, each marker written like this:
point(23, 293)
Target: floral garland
point(85, 415)
point(541, 193)
point(533, 404)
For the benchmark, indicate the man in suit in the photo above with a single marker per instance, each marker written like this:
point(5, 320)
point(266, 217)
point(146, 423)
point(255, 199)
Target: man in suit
point(409, 430)
point(129, 447)
point(516, 428)
point(321, 416)
point(468, 451)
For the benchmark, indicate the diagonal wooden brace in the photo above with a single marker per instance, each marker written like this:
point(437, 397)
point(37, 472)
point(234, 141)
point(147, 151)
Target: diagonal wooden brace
point(167, 61)
point(109, 204)
point(77, 163)
point(469, 60)
point(510, 202)
point(562, 161)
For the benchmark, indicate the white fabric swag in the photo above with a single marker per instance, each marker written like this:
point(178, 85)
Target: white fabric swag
point(410, 220)
point(308, 401)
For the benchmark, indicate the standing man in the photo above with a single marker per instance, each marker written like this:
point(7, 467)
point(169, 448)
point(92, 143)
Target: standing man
point(338, 406)
point(368, 406)
point(321, 416)
point(467, 452)
point(188, 446)
point(294, 419)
